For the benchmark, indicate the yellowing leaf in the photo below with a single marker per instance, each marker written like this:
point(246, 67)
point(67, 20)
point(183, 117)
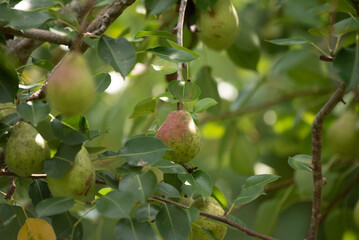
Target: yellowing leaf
point(36, 229)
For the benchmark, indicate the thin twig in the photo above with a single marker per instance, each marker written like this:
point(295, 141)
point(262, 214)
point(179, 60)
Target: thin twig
point(11, 188)
point(345, 192)
point(317, 160)
point(38, 34)
point(269, 103)
point(223, 219)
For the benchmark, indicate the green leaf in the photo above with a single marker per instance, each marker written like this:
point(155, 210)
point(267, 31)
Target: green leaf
point(176, 46)
point(143, 150)
point(53, 206)
point(192, 213)
point(172, 54)
point(198, 183)
point(158, 6)
point(38, 191)
point(66, 133)
point(300, 162)
point(247, 195)
point(108, 177)
point(24, 20)
point(165, 66)
point(147, 212)
point(346, 25)
point(260, 180)
point(146, 106)
point(172, 222)
point(11, 220)
point(116, 204)
point(42, 63)
point(219, 196)
point(184, 91)
point(169, 167)
point(346, 65)
point(205, 81)
point(141, 185)
point(60, 163)
point(36, 5)
point(155, 33)
point(102, 81)
point(290, 41)
point(119, 53)
point(168, 190)
point(129, 229)
point(33, 112)
point(8, 80)
point(63, 225)
point(203, 104)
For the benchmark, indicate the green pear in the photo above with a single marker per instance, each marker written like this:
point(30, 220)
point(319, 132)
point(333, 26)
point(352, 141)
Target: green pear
point(180, 133)
point(343, 135)
point(219, 25)
point(6, 109)
point(78, 182)
point(219, 230)
point(26, 150)
point(70, 89)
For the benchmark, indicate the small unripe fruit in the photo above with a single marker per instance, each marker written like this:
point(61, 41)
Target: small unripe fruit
point(343, 135)
point(219, 26)
point(70, 89)
point(78, 182)
point(26, 150)
point(219, 230)
point(180, 133)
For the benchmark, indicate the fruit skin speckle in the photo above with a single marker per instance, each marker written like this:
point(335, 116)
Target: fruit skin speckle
point(26, 151)
point(180, 133)
point(219, 27)
point(78, 182)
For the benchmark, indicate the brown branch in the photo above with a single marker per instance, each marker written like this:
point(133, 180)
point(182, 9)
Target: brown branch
point(223, 219)
point(11, 188)
point(38, 34)
point(317, 161)
point(345, 192)
point(269, 103)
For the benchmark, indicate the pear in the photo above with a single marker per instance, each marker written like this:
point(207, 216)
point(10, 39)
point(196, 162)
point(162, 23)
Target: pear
point(343, 135)
point(70, 89)
point(219, 25)
point(6, 109)
point(219, 230)
point(78, 182)
point(26, 150)
point(180, 133)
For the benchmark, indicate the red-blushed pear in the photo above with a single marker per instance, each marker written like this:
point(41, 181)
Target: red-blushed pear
point(70, 89)
point(26, 150)
point(180, 133)
point(218, 26)
point(78, 182)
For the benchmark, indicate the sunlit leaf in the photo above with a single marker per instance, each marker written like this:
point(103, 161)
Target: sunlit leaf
point(184, 91)
point(155, 33)
point(290, 41)
point(203, 104)
point(300, 162)
point(146, 106)
point(36, 229)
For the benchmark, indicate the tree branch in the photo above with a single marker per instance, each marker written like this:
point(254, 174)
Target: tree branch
point(223, 219)
point(317, 161)
point(269, 103)
point(38, 34)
